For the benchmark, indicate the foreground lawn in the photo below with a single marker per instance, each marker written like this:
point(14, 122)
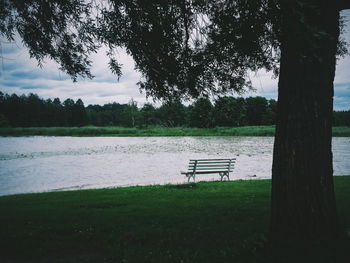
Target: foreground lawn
point(197, 222)
point(151, 131)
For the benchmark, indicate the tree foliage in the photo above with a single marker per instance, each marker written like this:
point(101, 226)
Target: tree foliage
point(201, 114)
point(230, 111)
point(62, 30)
point(182, 48)
point(33, 111)
point(193, 48)
point(185, 48)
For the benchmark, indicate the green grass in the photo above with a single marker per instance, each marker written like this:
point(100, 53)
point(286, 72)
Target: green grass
point(197, 222)
point(151, 131)
point(343, 131)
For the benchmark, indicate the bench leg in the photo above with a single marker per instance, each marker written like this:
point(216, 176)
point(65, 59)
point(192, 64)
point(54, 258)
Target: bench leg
point(222, 175)
point(189, 177)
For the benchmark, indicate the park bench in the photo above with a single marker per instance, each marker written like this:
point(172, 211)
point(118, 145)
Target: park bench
point(210, 166)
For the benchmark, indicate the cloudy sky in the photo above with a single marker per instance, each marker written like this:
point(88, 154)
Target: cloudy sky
point(19, 74)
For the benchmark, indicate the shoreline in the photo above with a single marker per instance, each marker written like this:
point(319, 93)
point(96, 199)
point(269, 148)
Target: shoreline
point(154, 131)
point(140, 186)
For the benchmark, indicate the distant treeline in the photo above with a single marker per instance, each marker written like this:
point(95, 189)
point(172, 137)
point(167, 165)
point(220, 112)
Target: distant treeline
point(33, 111)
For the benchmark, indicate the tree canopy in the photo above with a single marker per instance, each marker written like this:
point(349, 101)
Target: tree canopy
point(182, 48)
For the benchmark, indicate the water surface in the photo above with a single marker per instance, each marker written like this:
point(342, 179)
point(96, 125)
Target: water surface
point(37, 164)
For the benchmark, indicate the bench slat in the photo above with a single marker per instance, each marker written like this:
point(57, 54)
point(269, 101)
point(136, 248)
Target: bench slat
point(213, 169)
point(209, 165)
point(207, 168)
point(206, 172)
point(212, 159)
point(222, 161)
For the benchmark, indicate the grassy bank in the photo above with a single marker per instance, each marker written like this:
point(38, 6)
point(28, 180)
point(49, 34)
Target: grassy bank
point(201, 222)
point(151, 131)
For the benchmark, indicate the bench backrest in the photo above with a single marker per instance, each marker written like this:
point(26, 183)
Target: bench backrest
point(211, 165)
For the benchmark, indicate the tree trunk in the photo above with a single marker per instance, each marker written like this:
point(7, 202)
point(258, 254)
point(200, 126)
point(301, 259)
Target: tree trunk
point(303, 201)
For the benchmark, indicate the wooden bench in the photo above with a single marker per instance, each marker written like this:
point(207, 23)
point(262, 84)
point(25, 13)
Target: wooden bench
point(210, 166)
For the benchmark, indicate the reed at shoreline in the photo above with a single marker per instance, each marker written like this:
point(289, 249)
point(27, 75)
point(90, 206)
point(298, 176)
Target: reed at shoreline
point(90, 131)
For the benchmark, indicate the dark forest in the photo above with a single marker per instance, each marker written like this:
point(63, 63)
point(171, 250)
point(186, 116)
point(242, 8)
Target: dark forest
point(33, 111)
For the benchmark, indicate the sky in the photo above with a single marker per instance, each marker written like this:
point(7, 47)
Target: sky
point(21, 75)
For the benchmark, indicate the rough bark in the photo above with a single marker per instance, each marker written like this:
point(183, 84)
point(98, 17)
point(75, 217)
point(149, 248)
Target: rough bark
point(343, 4)
point(303, 201)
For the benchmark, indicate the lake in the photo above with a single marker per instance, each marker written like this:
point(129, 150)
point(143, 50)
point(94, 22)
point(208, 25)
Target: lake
point(39, 164)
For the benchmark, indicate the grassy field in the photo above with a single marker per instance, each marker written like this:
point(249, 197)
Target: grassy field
point(196, 222)
point(151, 131)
